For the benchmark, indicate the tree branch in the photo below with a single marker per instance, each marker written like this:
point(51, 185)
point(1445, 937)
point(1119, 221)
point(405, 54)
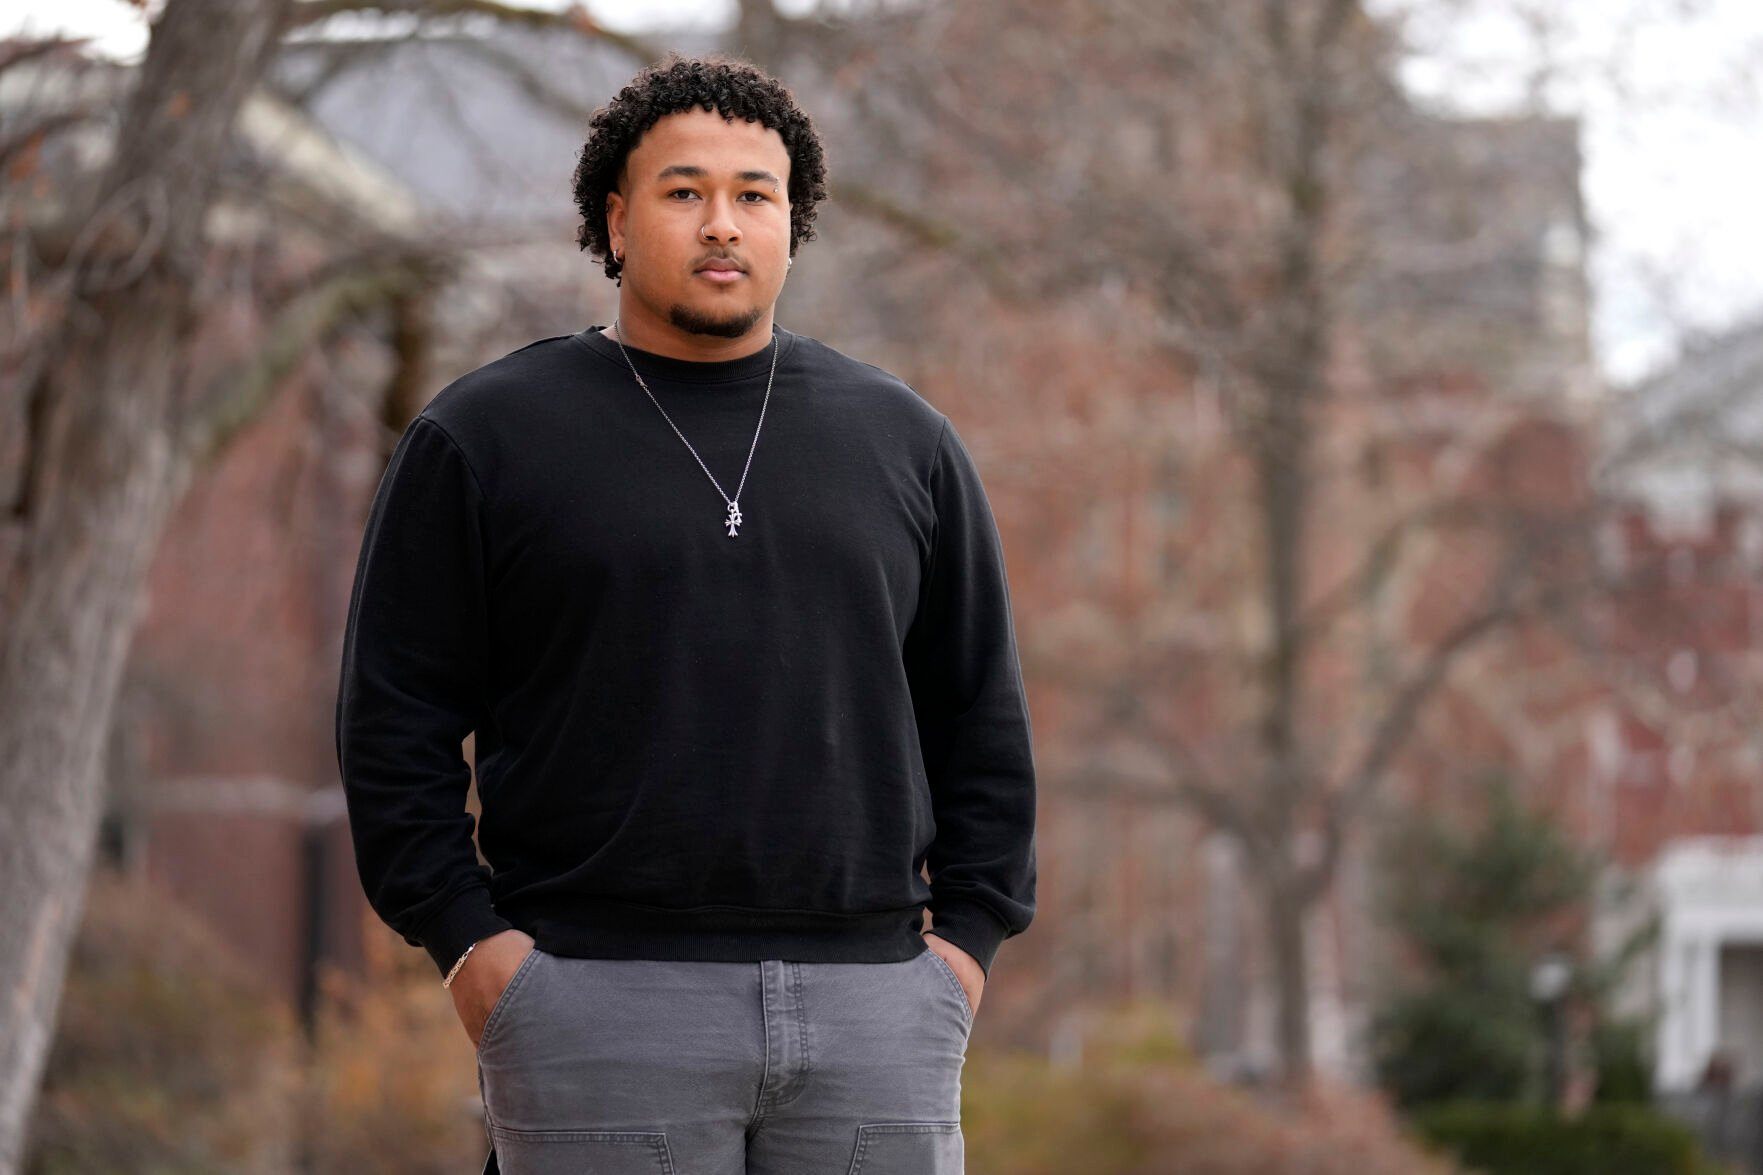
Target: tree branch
point(1397, 723)
point(575, 18)
point(234, 399)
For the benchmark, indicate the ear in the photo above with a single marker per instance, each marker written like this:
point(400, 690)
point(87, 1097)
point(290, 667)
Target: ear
point(615, 221)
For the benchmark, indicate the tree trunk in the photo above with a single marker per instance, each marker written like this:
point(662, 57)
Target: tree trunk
point(65, 649)
point(1286, 912)
point(103, 468)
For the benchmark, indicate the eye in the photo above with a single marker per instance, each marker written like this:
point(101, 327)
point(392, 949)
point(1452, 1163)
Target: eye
point(763, 197)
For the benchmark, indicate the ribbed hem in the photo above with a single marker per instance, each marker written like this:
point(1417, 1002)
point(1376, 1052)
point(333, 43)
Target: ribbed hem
point(597, 928)
point(468, 918)
point(969, 925)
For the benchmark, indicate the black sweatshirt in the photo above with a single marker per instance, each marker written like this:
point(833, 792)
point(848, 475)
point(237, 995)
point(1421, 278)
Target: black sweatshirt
point(690, 744)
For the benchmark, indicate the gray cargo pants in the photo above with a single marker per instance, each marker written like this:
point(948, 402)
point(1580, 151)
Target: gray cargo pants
point(620, 1066)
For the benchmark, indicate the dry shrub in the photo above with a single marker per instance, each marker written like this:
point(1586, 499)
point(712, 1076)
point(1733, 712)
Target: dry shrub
point(172, 1057)
point(168, 1056)
point(1139, 1105)
point(395, 1078)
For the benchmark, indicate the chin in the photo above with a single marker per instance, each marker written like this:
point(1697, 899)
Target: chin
point(721, 322)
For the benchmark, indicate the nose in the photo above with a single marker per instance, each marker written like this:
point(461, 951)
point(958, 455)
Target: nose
point(721, 226)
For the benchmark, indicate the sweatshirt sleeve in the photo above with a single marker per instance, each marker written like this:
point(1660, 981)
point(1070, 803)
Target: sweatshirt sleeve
point(414, 656)
point(973, 720)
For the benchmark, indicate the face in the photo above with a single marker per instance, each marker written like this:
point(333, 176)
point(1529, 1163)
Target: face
point(699, 187)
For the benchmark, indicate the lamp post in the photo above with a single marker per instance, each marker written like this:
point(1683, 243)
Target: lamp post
point(1550, 976)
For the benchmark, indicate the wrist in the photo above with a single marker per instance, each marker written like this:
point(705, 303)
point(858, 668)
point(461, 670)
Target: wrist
point(453, 972)
point(970, 926)
point(468, 918)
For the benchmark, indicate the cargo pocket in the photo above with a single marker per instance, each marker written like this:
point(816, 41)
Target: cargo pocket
point(908, 1148)
point(604, 1152)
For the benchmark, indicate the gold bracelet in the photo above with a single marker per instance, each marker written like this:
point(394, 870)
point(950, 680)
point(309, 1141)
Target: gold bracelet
point(448, 982)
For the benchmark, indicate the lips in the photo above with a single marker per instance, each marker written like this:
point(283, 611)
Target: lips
point(722, 276)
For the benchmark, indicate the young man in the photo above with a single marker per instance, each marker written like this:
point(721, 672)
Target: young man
point(727, 612)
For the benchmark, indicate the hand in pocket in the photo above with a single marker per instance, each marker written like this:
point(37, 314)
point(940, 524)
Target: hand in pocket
point(967, 969)
point(484, 977)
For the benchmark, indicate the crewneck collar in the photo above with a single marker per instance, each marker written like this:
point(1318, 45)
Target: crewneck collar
point(688, 371)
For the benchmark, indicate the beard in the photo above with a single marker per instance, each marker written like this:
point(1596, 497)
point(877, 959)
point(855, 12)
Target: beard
point(731, 325)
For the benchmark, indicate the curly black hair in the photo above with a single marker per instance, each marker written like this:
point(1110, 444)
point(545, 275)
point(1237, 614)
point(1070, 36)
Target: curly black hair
point(718, 83)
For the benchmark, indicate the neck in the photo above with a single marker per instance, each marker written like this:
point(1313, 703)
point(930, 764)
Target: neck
point(675, 343)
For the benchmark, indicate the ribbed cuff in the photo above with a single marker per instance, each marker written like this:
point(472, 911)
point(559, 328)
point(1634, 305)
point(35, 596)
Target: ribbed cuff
point(969, 925)
point(468, 918)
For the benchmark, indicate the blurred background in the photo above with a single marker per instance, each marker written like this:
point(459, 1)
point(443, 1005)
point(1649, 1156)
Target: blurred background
point(1370, 394)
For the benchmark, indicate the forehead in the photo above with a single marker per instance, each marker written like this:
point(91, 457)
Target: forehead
point(704, 138)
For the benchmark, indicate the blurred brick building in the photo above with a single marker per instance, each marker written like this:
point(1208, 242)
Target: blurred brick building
point(1466, 365)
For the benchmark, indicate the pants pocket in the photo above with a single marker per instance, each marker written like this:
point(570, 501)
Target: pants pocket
point(942, 965)
point(908, 1148)
point(603, 1152)
point(507, 997)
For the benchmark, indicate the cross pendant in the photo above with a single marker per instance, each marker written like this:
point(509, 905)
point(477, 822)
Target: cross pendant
point(733, 520)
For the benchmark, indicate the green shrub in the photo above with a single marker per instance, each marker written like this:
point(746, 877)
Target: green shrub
point(1624, 1063)
point(1475, 903)
point(1617, 1139)
point(1437, 1046)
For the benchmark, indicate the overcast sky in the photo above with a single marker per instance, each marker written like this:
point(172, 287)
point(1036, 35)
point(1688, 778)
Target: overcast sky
point(1670, 92)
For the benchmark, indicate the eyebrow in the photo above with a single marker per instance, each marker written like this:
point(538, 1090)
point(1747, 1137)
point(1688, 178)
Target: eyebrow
point(687, 169)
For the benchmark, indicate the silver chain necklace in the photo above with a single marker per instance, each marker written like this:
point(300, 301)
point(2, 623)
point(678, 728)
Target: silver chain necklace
point(734, 506)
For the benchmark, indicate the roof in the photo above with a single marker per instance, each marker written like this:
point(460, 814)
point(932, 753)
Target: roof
point(1691, 436)
point(271, 132)
point(486, 128)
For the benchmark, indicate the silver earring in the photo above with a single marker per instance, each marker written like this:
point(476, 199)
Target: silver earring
point(615, 257)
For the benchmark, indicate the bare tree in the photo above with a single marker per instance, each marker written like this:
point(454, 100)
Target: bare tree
point(110, 412)
point(1197, 187)
point(1331, 266)
point(106, 449)
point(116, 411)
